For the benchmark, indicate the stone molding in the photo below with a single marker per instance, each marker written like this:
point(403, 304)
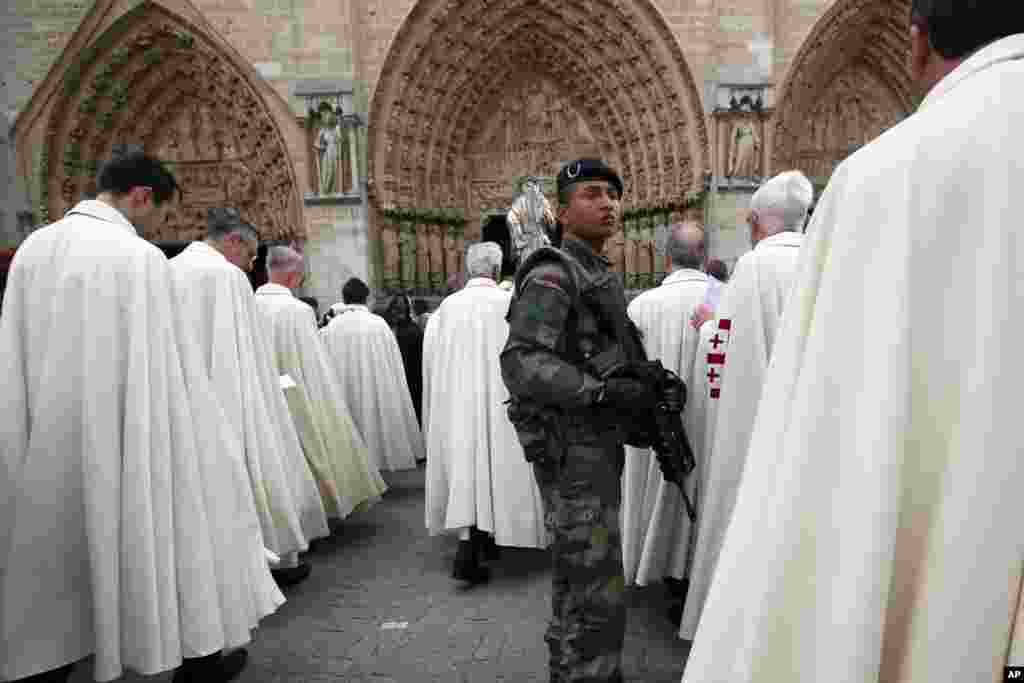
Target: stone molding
point(848, 83)
point(615, 63)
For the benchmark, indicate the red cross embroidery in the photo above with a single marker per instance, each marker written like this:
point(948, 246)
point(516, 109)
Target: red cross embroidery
point(713, 376)
point(716, 341)
point(725, 324)
point(716, 359)
point(716, 393)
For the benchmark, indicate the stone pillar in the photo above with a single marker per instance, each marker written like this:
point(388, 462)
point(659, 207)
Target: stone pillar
point(629, 252)
point(451, 254)
point(422, 257)
point(392, 259)
point(436, 279)
point(407, 246)
point(353, 156)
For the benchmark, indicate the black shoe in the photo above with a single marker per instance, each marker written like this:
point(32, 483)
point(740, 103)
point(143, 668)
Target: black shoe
point(467, 564)
point(291, 575)
point(216, 668)
point(492, 553)
point(473, 577)
point(675, 614)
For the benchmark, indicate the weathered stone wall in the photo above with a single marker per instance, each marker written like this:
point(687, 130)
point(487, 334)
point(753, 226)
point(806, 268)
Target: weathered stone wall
point(290, 41)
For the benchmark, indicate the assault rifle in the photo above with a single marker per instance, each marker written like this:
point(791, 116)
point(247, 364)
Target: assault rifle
point(661, 429)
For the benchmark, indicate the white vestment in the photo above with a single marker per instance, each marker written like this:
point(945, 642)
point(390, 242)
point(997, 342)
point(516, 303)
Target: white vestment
point(877, 532)
point(744, 332)
point(220, 311)
point(334, 447)
point(476, 471)
point(127, 526)
point(655, 527)
point(365, 355)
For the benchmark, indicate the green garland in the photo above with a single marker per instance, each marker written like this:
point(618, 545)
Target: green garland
point(451, 218)
point(664, 210)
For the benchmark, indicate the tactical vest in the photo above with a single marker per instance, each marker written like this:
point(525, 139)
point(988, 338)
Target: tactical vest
point(600, 335)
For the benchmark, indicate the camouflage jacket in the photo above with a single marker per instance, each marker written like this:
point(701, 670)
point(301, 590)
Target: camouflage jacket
point(568, 327)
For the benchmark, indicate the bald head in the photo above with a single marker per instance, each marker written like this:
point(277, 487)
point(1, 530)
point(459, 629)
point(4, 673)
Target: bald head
point(284, 266)
point(685, 246)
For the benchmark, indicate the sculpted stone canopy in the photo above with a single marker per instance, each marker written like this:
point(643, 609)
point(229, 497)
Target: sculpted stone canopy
point(153, 80)
point(475, 94)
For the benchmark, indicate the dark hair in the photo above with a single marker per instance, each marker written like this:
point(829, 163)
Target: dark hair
point(420, 306)
point(222, 222)
point(311, 302)
point(718, 270)
point(956, 28)
point(355, 291)
point(130, 167)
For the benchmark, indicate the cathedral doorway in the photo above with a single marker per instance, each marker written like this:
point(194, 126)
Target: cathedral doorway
point(476, 95)
point(495, 229)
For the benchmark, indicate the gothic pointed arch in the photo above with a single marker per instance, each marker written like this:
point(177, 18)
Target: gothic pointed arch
point(157, 80)
point(848, 84)
point(475, 93)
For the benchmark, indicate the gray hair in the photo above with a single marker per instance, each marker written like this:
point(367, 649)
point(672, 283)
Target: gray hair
point(786, 198)
point(685, 245)
point(223, 222)
point(483, 259)
point(283, 260)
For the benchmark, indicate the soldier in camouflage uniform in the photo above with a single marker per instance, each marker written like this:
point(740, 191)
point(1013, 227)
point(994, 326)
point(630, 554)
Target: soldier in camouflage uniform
point(568, 333)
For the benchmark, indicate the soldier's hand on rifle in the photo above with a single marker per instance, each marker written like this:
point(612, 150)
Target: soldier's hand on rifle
point(629, 394)
point(673, 393)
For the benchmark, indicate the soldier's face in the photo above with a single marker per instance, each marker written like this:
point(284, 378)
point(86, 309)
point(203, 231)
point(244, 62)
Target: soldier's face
point(593, 210)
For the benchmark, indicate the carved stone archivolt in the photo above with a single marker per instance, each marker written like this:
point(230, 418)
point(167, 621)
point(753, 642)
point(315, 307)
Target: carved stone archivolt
point(154, 80)
point(848, 84)
point(476, 94)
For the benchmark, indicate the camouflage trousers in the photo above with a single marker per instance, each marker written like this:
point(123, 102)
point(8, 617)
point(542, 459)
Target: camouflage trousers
point(581, 494)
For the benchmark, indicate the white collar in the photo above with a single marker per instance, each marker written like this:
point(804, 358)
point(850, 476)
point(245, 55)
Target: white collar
point(94, 208)
point(787, 238)
point(1003, 50)
point(206, 250)
point(276, 290)
point(684, 275)
point(345, 308)
point(481, 282)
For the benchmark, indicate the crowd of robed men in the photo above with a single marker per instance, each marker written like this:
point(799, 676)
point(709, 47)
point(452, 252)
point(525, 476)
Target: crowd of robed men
point(849, 404)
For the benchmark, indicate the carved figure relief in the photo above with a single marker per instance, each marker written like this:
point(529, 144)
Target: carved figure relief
point(328, 155)
point(744, 150)
point(153, 81)
point(854, 110)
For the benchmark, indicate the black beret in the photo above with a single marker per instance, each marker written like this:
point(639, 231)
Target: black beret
point(587, 169)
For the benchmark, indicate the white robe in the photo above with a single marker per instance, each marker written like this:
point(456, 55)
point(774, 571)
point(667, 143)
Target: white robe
point(877, 534)
point(365, 355)
point(333, 445)
point(476, 471)
point(744, 332)
point(127, 526)
point(220, 311)
point(655, 527)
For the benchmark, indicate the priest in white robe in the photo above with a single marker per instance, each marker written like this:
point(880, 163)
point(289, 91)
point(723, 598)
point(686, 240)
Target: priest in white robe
point(365, 355)
point(877, 532)
point(478, 480)
point(346, 473)
point(737, 355)
point(220, 311)
point(656, 530)
point(127, 527)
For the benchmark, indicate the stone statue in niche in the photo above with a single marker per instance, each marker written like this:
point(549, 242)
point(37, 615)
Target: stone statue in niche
point(328, 155)
point(744, 150)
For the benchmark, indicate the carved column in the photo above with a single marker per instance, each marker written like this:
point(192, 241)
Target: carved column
point(422, 256)
point(614, 251)
point(389, 235)
point(353, 156)
point(451, 254)
point(436, 279)
point(629, 252)
point(645, 247)
point(407, 243)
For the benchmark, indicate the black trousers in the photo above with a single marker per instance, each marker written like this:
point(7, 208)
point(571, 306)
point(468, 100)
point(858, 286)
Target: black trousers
point(60, 675)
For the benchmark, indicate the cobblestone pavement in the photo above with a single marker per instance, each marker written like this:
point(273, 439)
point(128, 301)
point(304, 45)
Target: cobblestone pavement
point(380, 607)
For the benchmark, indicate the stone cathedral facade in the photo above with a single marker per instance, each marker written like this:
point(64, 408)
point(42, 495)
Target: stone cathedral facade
point(383, 136)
